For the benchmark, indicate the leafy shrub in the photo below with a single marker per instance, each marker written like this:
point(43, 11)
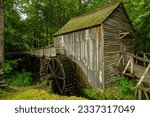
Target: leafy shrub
point(22, 78)
point(120, 90)
point(126, 86)
point(10, 65)
point(14, 77)
point(90, 92)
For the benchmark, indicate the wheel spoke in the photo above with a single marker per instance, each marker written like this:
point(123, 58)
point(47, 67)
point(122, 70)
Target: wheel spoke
point(53, 64)
point(59, 78)
point(57, 68)
point(50, 68)
point(58, 85)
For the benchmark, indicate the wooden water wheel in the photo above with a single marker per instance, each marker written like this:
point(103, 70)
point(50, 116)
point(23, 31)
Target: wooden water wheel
point(60, 70)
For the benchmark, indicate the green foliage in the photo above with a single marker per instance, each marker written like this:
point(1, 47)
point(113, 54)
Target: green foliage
point(20, 79)
point(10, 65)
point(91, 92)
point(14, 77)
point(125, 85)
point(139, 12)
point(44, 18)
point(120, 90)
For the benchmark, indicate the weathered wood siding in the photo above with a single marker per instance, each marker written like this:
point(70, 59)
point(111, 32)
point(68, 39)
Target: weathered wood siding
point(96, 50)
point(118, 22)
point(85, 49)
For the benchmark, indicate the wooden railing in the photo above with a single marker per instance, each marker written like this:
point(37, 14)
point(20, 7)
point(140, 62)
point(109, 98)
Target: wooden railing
point(129, 65)
point(49, 51)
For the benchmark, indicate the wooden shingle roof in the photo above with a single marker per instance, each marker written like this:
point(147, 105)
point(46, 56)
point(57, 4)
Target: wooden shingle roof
point(88, 20)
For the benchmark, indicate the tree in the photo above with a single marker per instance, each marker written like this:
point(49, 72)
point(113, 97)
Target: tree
point(139, 12)
point(45, 17)
point(1, 34)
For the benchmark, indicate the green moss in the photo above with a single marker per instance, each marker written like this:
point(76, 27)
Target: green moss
point(88, 20)
point(31, 93)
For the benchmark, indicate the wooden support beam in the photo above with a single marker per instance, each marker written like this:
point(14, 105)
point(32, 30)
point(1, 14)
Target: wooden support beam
point(139, 58)
point(122, 35)
point(139, 95)
point(127, 65)
point(143, 76)
point(121, 57)
point(132, 65)
point(146, 95)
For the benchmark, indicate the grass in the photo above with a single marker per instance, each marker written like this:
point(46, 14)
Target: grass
point(120, 90)
point(32, 93)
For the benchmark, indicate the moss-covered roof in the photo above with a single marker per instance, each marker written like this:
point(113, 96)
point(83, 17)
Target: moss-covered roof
point(88, 20)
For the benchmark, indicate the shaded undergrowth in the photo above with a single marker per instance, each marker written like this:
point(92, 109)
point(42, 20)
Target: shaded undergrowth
point(120, 90)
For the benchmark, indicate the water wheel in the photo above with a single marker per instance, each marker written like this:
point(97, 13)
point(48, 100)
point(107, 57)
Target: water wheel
point(60, 70)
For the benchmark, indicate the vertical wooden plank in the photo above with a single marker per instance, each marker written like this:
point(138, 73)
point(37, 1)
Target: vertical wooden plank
point(83, 49)
point(139, 95)
point(102, 54)
point(90, 51)
point(100, 80)
point(68, 43)
point(94, 35)
point(132, 64)
point(85, 54)
point(78, 50)
point(73, 46)
point(97, 49)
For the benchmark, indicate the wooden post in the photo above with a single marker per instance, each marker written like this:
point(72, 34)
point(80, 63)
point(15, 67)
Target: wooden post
point(132, 65)
point(127, 65)
point(121, 57)
point(136, 61)
point(146, 95)
point(125, 58)
point(136, 92)
point(102, 54)
point(139, 94)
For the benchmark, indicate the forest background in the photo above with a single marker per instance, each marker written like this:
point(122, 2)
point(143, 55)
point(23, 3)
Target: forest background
point(32, 23)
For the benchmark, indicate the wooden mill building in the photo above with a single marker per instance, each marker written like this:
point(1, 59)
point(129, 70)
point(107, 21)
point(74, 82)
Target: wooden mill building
point(94, 42)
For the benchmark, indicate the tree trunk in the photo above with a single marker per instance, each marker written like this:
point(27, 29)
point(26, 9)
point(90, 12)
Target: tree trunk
point(1, 34)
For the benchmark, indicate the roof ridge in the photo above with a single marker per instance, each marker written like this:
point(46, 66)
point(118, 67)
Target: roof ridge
point(98, 9)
